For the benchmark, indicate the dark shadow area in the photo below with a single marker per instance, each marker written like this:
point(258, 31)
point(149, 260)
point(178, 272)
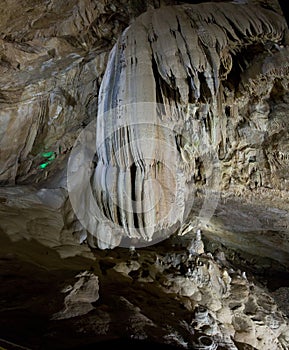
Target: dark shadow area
point(285, 9)
point(277, 279)
point(128, 344)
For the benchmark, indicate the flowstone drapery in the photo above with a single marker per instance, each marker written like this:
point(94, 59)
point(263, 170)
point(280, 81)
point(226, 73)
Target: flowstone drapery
point(185, 91)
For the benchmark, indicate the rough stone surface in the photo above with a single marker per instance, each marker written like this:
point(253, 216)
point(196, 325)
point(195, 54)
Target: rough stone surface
point(215, 151)
point(80, 298)
point(166, 297)
point(225, 131)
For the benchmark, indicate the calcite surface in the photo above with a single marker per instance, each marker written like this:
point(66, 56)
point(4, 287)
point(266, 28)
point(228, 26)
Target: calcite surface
point(52, 60)
point(133, 124)
point(221, 144)
point(225, 162)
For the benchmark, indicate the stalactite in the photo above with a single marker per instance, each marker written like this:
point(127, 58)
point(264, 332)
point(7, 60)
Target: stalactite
point(166, 60)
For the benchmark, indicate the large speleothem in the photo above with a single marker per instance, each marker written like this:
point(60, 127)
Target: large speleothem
point(173, 95)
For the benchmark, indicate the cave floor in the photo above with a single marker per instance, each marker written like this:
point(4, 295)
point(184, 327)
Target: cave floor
point(32, 277)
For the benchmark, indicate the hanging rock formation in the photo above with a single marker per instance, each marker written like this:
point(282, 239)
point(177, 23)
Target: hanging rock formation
point(191, 134)
point(51, 74)
point(187, 104)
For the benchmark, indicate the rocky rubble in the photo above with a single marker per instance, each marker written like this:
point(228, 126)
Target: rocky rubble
point(80, 296)
point(226, 308)
point(217, 76)
point(168, 294)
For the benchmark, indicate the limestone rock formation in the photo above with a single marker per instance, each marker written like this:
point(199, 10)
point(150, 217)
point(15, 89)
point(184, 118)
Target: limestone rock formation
point(51, 63)
point(225, 67)
point(226, 309)
point(238, 147)
point(80, 298)
point(133, 124)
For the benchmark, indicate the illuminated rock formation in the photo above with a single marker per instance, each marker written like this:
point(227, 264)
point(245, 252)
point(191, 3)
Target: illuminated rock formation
point(184, 106)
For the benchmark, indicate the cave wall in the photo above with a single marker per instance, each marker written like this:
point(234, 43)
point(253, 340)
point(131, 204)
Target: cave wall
point(53, 60)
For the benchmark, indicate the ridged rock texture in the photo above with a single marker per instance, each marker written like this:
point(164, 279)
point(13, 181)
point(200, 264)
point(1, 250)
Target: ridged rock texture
point(205, 86)
point(52, 59)
point(123, 123)
point(205, 82)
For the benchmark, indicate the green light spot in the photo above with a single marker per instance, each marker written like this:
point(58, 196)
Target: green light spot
point(48, 154)
point(43, 165)
point(52, 157)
